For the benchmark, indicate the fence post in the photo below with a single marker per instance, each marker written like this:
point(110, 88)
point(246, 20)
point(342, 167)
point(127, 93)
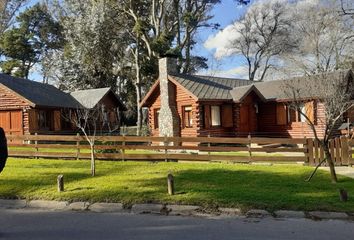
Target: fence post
point(332, 151)
point(338, 146)
point(344, 150)
point(165, 145)
point(123, 147)
point(249, 147)
point(78, 146)
point(209, 148)
point(316, 152)
point(36, 146)
point(309, 144)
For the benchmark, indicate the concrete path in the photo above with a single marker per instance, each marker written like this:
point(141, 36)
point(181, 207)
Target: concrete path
point(52, 225)
point(345, 171)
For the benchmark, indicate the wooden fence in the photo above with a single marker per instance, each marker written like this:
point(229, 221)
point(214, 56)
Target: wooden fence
point(341, 150)
point(178, 148)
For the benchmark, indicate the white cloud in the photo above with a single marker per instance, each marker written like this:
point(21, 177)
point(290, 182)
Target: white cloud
point(237, 72)
point(222, 42)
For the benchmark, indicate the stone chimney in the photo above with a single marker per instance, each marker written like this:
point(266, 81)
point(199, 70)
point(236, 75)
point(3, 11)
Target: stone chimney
point(169, 124)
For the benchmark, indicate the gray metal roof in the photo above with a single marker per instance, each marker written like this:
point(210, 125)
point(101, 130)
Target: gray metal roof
point(307, 87)
point(40, 94)
point(91, 97)
point(208, 87)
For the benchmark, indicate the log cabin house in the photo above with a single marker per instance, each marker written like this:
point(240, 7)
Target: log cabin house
point(29, 107)
point(191, 105)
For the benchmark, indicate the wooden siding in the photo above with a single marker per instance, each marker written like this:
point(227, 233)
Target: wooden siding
point(11, 105)
point(183, 99)
point(10, 100)
point(268, 125)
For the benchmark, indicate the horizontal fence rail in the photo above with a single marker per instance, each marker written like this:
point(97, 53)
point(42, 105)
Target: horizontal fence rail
point(250, 149)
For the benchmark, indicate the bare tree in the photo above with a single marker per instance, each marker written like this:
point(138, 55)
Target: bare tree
point(262, 35)
point(324, 37)
point(92, 123)
point(336, 94)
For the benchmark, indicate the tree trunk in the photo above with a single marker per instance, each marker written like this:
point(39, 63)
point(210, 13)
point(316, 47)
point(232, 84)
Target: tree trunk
point(139, 110)
point(93, 167)
point(138, 88)
point(330, 163)
point(187, 64)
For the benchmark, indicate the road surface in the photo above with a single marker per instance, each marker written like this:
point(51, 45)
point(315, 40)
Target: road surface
point(39, 224)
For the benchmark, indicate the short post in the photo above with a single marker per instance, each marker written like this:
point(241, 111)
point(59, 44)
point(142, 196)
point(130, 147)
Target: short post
point(343, 195)
point(36, 145)
point(77, 146)
point(60, 181)
point(170, 184)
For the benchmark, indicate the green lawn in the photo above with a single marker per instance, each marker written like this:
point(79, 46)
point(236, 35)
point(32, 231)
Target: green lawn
point(209, 184)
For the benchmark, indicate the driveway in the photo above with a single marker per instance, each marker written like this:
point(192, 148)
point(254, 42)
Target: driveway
point(38, 224)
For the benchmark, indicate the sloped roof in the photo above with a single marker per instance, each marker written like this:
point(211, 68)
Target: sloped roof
point(208, 87)
point(39, 94)
point(91, 97)
point(308, 86)
point(218, 88)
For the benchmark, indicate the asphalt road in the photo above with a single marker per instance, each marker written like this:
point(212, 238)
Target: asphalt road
point(35, 224)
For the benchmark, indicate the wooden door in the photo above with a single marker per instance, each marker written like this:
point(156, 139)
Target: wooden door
point(244, 119)
point(248, 119)
point(11, 122)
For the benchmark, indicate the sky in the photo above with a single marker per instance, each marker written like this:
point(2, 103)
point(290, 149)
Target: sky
point(224, 13)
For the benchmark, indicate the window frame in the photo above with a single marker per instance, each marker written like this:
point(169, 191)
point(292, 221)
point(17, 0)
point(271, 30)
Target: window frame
point(156, 118)
point(211, 116)
point(190, 116)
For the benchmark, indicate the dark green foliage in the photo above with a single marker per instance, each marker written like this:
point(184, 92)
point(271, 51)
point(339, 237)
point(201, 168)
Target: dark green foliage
point(24, 45)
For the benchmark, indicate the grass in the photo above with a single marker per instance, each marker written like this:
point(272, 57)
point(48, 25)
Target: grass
point(210, 185)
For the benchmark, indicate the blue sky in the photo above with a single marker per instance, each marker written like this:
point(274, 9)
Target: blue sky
point(224, 13)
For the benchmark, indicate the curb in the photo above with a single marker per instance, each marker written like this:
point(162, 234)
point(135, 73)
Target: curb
point(172, 210)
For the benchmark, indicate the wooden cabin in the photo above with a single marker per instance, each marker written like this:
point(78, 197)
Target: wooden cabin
point(29, 107)
point(191, 105)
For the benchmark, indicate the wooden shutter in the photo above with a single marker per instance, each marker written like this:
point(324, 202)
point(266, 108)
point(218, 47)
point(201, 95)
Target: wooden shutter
point(310, 113)
point(57, 120)
point(5, 120)
point(281, 114)
point(227, 116)
point(33, 120)
point(207, 116)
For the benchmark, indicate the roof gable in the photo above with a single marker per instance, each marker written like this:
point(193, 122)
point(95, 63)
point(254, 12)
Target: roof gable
point(91, 97)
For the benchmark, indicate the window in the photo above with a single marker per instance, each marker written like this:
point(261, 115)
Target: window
point(215, 116)
point(305, 110)
point(44, 120)
point(301, 114)
point(187, 116)
point(156, 118)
